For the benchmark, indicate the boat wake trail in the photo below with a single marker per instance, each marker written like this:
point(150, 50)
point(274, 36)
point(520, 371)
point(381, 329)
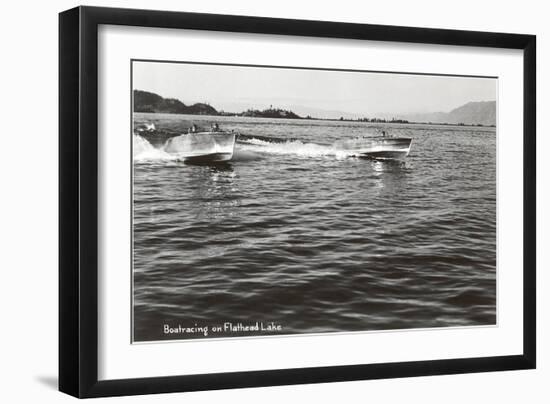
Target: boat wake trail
point(144, 151)
point(294, 147)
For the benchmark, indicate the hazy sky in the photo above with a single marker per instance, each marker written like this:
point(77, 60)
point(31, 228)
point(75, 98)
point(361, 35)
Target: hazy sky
point(235, 88)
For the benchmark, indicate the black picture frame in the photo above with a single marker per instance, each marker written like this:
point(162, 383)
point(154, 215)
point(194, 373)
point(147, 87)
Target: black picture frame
point(78, 200)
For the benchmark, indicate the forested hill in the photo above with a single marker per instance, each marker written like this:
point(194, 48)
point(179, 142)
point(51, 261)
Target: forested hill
point(145, 101)
point(151, 102)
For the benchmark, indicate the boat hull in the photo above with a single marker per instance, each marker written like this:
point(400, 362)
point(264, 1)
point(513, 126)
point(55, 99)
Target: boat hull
point(386, 155)
point(383, 148)
point(209, 158)
point(202, 147)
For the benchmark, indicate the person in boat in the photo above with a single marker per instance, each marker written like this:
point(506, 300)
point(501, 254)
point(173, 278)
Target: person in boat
point(215, 127)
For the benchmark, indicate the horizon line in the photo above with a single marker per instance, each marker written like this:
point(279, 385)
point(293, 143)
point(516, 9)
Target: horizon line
point(273, 106)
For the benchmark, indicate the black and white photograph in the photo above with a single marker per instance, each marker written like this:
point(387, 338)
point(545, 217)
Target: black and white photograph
point(274, 200)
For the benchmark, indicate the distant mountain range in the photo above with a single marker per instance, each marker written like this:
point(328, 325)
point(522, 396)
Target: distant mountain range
point(472, 113)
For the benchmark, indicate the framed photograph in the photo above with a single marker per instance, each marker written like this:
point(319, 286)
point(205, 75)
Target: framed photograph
point(251, 201)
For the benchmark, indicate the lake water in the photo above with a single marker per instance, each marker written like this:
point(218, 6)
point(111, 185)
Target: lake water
point(298, 237)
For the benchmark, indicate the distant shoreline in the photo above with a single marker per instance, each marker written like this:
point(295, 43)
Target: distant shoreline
point(397, 122)
point(147, 102)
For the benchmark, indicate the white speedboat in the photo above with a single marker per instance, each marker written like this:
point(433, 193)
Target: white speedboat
point(203, 147)
point(377, 147)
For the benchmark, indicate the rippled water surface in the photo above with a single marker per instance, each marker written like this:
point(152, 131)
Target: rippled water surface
point(295, 233)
